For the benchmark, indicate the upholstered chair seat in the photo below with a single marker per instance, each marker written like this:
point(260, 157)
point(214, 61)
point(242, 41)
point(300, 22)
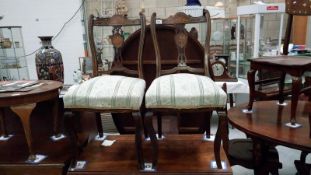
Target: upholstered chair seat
point(184, 91)
point(107, 92)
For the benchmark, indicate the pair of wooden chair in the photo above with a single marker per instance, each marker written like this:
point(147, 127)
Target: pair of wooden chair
point(178, 89)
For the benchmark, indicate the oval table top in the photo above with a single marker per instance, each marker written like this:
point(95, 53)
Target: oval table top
point(268, 121)
point(45, 90)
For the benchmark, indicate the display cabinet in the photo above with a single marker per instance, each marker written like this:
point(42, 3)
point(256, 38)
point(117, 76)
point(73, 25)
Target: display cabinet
point(261, 29)
point(13, 65)
point(223, 41)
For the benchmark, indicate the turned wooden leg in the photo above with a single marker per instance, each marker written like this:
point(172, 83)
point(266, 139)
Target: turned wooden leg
point(207, 124)
point(251, 83)
point(99, 125)
point(138, 140)
point(281, 88)
point(159, 119)
point(231, 100)
point(56, 118)
point(296, 85)
point(153, 138)
point(4, 131)
point(257, 157)
point(221, 135)
point(24, 113)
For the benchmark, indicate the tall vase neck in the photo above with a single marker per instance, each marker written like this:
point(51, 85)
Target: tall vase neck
point(46, 41)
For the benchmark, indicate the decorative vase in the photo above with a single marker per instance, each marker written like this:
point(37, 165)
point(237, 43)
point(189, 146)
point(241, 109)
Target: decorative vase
point(193, 2)
point(49, 61)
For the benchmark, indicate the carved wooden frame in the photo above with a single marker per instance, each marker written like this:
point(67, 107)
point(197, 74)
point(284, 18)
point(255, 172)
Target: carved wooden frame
point(179, 20)
point(117, 40)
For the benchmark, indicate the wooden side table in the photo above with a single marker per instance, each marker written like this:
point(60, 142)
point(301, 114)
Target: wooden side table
point(294, 66)
point(266, 126)
point(23, 103)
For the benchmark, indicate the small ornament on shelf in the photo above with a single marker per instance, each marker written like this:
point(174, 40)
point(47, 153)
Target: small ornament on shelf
point(5, 43)
point(77, 76)
point(121, 8)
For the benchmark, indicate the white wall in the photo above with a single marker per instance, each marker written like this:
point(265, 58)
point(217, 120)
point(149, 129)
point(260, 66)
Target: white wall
point(45, 18)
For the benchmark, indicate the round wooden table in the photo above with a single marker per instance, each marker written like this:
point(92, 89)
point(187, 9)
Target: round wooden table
point(266, 124)
point(23, 103)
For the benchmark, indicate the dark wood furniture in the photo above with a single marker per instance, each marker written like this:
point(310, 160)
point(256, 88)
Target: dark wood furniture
point(23, 103)
point(179, 154)
point(117, 40)
point(179, 20)
point(292, 65)
point(14, 151)
point(198, 122)
point(266, 125)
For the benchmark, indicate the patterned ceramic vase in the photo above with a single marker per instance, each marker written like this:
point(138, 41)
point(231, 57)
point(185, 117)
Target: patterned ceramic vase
point(193, 2)
point(49, 61)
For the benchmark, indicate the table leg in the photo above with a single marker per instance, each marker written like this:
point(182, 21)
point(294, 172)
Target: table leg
point(24, 113)
point(221, 135)
point(251, 82)
point(159, 122)
point(310, 125)
point(153, 139)
point(138, 140)
point(296, 86)
point(4, 131)
point(231, 100)
point(207, 126)
point(281, 88)
point(57, 116)
point(99, 126)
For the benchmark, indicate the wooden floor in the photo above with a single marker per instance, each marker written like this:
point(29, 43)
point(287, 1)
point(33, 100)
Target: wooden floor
point(14, 152)
point(178, 154)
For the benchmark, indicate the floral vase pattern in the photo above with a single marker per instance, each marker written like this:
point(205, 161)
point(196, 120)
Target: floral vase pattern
point(49, 61)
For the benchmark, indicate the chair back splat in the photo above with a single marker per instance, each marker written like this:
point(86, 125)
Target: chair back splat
point(117, 40)
point(179, 20)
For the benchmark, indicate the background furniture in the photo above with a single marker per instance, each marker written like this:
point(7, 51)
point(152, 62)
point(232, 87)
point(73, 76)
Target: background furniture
point(13, 64)
point(292, 65)
point(14, 151)
point(23, 103)
point(267, 125)
point(251, 41)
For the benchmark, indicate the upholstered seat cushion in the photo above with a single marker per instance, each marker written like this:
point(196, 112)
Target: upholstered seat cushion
point(106, 92)
point(184, 91)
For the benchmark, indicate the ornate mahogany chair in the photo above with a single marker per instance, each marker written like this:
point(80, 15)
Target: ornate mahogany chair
point(182, 88)
point(118, 90)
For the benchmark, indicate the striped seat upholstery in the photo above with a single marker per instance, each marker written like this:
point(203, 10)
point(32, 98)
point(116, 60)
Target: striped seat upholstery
point(184, 91)
point(106, 92)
